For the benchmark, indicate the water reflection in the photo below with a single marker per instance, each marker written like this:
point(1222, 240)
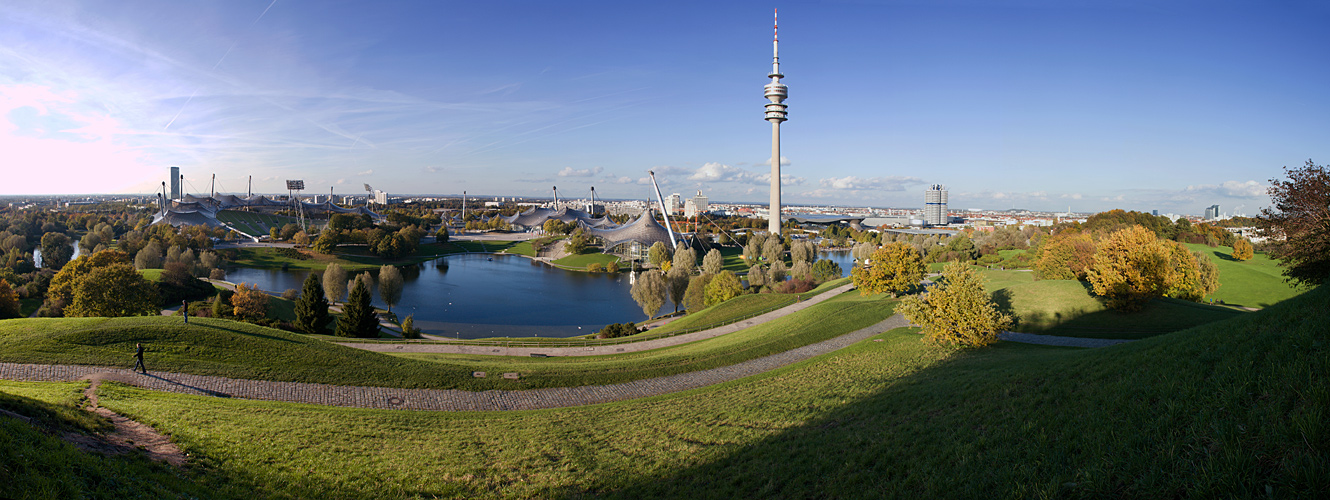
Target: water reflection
point(477, 296)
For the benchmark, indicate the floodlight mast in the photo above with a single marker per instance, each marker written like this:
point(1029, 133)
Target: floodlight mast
point(663, 211)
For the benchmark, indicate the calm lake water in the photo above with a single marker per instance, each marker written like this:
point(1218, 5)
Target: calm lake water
point(479, 296)
point(472, 296)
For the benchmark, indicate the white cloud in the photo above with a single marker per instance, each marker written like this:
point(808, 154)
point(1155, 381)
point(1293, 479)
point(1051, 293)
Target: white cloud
point(855, 183)
point(784, 161)
point(1234, 189)
point(367, 172)
point(719, 172)
point(432, 170)
point(586, 172)
point(624, 180)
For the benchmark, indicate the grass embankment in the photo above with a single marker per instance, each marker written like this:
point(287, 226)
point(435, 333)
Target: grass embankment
point(257, 224)
point(269, 258)
point(1068, 308)
point(741, 307)
point(1256, 282)
point(579, 262)
point(1231, 409)
point(231, 349)
point(835, 317)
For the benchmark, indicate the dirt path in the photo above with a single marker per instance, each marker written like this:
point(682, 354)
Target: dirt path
point(127, 435)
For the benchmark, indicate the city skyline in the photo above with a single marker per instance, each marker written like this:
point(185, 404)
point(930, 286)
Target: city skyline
point(1174, 106)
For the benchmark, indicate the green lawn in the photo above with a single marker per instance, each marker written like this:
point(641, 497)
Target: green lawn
point(741, 307)
point(267, 257)
point(1231, 409)
point(1065, 307)
point(1257, 282)
point(580, 261)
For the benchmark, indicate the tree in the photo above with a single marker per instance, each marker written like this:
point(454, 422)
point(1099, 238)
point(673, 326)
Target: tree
point(442, 235)
point(894, 268)
point(957, 311)
point(1065, 256)
point(409, 330)
point(649, 292)
point(723, 287)
point(686, 261)
point(219, 307)
point(802, 270)
point(776, 273)
point(802, 251)
point(1193, 274)
point(773, 250)
point(676, 279)
point(390, 285)
point(757, 277)
point(695, 298)
point(358, 317)
point(334, 283)
point(1242, 249)
point(576, 244)
point(113, 290)
point(658, 254)
point(249, 302)
point(327, 242)
point(1131, 268)
point(9, 305)
point(713, 262)
point(72, 273)
point(963, 247)
point(312, 308)
point(824, 270)
point(56, 250)
point(1298, 223)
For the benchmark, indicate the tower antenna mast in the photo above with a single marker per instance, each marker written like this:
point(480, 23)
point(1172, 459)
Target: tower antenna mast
point(775, 92)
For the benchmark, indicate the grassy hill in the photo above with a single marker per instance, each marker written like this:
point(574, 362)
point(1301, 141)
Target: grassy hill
point(1257, 282)
point(1231, 409)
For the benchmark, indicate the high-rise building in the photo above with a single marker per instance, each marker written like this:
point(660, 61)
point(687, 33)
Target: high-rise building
point(695, 205)
point(935, 205)
point(776, 92)
point(674, 202)
point(175, 183)
point(1212, 212)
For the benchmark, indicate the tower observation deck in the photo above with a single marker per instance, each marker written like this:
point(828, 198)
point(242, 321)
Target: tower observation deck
point(776, 92)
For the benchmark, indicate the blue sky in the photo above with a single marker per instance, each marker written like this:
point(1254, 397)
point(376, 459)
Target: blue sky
point(1032, 104)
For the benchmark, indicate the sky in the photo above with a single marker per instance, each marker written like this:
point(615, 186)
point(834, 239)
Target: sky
point(1044, 105)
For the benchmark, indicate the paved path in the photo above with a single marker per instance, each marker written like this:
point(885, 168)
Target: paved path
point(451, 348)
point(1031, 338)
point(440, 399)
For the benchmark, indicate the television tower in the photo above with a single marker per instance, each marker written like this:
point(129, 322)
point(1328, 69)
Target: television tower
point(776, 93)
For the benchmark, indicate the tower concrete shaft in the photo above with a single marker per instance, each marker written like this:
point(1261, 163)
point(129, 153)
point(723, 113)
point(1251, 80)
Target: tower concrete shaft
point(776, 92)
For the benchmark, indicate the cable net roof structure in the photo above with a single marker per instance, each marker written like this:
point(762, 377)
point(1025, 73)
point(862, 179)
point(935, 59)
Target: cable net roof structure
point(537, 217)
point(645, 231)
point(193, 210)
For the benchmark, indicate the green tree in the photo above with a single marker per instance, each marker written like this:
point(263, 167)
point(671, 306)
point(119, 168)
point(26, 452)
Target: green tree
point(757, 277)
point(649, 292)
point(358, 317)
point(1193, 274)
point(695, 298)
point(72, 273)
point(658, 254)
point(676, 279)
point(113, 290)
point(773, 250)
point(957, 311)
point(894, 268)
point(220, 309)
point(409, 330)
point(724, 286)
point(776, 273)
point(802, 251)
point(1242, 249)
point(963, 246)
point(713, 262)
point(390, 285)
point(312, 308)
point(802, 270)
point(9, 305)
point(327, 242)
point(824, 270)
point(56, 250)
point(442, 235)
point(686, 261)
point(334, 283)
point(576, 244)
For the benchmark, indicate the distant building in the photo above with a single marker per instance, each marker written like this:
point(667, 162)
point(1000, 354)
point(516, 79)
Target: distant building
point(674, 202)
point(380, 197)
point(935, 205)
point(1212, 212)
point(1154, 213)
point(695, 205)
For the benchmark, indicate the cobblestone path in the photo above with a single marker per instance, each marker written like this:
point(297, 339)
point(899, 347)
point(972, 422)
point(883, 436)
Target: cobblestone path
point(1032, 338)
point(645, 345)
point(440, 399)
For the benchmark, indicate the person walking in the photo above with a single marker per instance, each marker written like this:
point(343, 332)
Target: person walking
point(138, 360)
point(184, 307)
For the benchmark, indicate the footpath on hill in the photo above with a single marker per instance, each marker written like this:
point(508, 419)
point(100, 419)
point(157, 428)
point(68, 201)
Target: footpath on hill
point(645, 345)
point(439, 399)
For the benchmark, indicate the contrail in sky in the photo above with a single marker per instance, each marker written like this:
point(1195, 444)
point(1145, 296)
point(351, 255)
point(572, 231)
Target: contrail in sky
point(265, 11)
point(228, 52)
point(182, 109)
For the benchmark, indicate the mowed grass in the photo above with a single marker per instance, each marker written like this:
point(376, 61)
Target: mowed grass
point(1231, 409)
point(1256, 282)
point(226, 348)
point(1067, 308)
point(832, 318)
point(580, 261)
point(741, 307)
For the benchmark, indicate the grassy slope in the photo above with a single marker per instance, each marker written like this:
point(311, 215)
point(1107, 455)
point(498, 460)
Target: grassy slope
point(1257, 282)
point(743, 306)
point(1232, 409)
point(580, 261)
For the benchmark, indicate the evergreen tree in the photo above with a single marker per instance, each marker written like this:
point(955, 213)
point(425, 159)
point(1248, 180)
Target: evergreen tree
point(312, 308)
point(358, 318)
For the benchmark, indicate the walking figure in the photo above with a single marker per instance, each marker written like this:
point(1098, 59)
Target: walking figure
point(184, 306)
point(138, 360)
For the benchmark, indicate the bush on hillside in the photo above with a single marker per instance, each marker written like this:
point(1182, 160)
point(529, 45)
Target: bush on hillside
point(795, 286)
point(617, 330)
point(957, 311)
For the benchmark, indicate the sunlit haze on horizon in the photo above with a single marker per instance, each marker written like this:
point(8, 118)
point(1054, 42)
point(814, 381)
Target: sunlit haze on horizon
point(1044, 105)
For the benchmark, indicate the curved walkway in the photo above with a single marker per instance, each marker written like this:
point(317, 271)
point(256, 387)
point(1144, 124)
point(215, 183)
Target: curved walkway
point(440, 399)
point(645, 345)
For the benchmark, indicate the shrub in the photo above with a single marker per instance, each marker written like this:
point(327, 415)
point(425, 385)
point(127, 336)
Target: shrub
point(616, 330)
point(723, 287)
point(218, 274)
point(249, 302)
point(894, 268)
point(290, 253)
point(595, 267)
point(825, 270)
point(612, 267)
point(409, 330)
point(1242, 249)
point(795, 286)
point(957, 311)
point(290, 294)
